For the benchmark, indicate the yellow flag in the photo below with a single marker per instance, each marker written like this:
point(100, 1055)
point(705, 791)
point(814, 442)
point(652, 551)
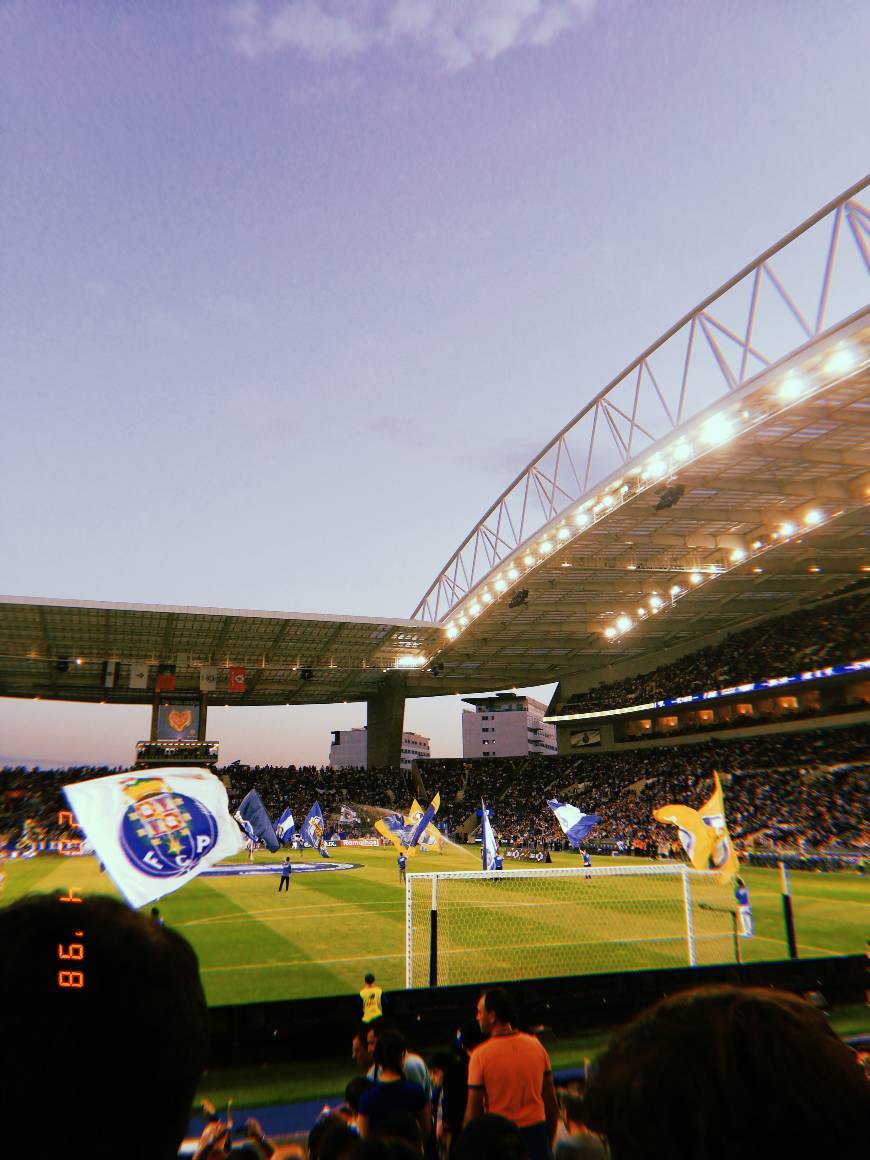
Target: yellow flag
point(703, 833)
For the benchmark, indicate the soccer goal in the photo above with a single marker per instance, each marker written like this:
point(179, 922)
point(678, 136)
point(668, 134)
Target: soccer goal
point(488, 926)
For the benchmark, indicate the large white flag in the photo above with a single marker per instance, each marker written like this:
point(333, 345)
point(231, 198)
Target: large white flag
point(154, 830)
point(488, 844)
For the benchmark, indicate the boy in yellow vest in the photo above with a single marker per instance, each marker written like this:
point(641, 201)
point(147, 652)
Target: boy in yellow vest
point(371, 1000)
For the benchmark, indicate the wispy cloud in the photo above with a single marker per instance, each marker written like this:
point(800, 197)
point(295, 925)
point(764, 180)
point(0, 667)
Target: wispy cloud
point(456, 33)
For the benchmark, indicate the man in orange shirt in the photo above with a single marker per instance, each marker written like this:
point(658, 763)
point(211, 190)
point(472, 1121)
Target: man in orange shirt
point(510, 1075)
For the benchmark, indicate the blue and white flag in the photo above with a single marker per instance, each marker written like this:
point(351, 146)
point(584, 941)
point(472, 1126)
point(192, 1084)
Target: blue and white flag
point(156, 829)
point(488, 844)
point(575, 824)
point(285, 827)
point(313, 830)
point(259, 826)
point(348, 816)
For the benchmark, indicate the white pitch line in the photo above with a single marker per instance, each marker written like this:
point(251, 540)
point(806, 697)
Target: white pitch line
point(801, 945)
point(300, 963)
point(313, 911)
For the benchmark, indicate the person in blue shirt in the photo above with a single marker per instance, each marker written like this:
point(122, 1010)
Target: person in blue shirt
point(403, 862)
point(741, 897)
point(393, 1095)
point(587, 863)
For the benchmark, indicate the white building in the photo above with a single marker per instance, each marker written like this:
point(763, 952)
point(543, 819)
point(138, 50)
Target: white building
point(350, 748)
point(505, 725)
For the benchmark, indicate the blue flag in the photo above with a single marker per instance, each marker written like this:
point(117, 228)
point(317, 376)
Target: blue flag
point(285, 827)
point(425, 818)
point(254, 813)
point(575, 824)
point(313, 830)
point(488, 845)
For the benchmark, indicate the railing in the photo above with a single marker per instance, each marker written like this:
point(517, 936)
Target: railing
point(759, 317)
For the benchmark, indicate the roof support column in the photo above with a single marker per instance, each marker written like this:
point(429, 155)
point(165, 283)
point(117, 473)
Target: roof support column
point(386, 719)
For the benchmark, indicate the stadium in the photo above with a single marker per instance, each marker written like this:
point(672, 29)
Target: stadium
point(691, 568)
point(281, 323)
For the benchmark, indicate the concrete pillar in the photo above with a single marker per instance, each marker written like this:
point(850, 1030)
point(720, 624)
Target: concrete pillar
point(386, 719)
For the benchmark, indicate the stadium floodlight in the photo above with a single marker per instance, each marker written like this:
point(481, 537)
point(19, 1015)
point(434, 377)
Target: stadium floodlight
point(608, 501)
point(655, 469)
point(528, 561)
point(814, 517)
point(655, 602)
point(610, 632)
point(499, 585)
point(463, 620)
point(581, 519)
point(545, 547)
point(696, 578)
point(513, 573)
point(737, 555)
point(675, 590)
point(452, 631)
point(682, 451)
point(487, 598)
point(563, 533)
point(624, 623)
point(788, 528)
point(841, 360)
point(408, 661)
point(717, 430)
point(475, 608)
point(792, 387)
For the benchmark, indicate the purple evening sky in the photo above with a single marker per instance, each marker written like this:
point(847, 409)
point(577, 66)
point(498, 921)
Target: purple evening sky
point(291, 290)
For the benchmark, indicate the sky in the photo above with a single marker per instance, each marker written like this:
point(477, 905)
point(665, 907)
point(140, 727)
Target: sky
point(290, 290)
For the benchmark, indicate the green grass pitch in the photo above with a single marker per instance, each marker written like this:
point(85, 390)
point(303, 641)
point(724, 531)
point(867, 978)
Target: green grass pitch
point(320, 939)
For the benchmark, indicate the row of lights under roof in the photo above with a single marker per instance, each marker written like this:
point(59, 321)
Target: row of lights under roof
point(715, 431)
point(624, 623)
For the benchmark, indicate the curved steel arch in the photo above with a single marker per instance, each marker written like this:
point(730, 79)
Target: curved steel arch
point(659, 391)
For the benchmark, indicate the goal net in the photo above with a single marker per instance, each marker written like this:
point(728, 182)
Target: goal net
point(489, 926)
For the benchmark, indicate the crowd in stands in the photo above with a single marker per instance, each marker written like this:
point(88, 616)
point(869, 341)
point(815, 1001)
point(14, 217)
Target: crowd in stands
point(810, 638)
point(807, 791)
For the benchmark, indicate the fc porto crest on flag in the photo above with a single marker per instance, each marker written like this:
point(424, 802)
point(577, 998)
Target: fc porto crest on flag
point(164, 833)
point(155, 831)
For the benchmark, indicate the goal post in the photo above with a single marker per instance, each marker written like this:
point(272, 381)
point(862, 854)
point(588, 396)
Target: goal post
point(466, 926)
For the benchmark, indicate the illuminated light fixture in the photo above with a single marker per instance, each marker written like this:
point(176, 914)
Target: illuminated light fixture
point(563, 533)
point(655, 602)
point(756, 544)
point(641, 613)
point(410, 662)
point(814, 517)
point(624, 489)
point(487, 598)
point(737, 555)
point(865, 567)
point(500, 585)
point(631, 567)
point(512, 573)
point(675, 590)
point(452, 631)
point(463, 620)
point(608, 501)
point(545, 547)
point(757, 570)
point(528, 561)
point(581, 519)
point(610, 632)
point(624, 623)
point(655, 469)
point(696, 577)
point(717, 430)
point(814, 568)
point(788, 528)
point(682, 451)
point(840, 360)
point(475, 608)
point(79, 661)
point(792, 387)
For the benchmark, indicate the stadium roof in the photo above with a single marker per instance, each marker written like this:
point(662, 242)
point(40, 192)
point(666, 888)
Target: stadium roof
point(722, 478)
